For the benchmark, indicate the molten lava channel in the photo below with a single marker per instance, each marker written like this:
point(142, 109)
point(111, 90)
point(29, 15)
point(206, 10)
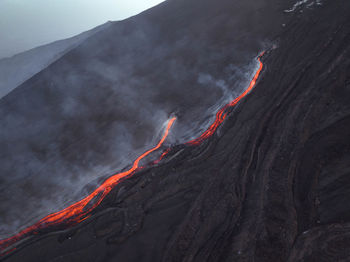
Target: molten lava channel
point(222, 113)
point(81, 210)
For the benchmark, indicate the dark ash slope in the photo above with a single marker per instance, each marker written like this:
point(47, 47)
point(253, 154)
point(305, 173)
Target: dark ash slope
point(271, 185)
point(103, 103)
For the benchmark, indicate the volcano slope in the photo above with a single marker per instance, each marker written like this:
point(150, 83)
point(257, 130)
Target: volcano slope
point(102, 104)
point(272, 184)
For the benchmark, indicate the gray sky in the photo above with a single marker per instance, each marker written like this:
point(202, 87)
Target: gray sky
point(25, 24)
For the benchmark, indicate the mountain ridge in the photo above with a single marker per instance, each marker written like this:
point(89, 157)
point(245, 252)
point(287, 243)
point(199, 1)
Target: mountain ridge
point(20, 67)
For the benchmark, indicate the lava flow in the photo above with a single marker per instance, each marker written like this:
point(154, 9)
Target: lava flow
point(222, 113)
point(81, 210)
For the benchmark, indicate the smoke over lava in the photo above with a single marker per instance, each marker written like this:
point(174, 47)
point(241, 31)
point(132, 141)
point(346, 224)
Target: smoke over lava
point(81, 210)
point(102, 103)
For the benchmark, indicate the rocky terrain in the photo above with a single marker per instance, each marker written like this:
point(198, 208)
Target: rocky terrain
point(271, 184)
point(102, 104)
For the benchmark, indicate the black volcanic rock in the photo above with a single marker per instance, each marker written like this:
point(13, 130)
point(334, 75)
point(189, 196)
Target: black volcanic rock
point(102, 104)
point(271, 185)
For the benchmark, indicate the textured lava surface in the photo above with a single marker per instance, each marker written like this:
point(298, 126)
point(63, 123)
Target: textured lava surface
point(101, 105)
point(272, 184)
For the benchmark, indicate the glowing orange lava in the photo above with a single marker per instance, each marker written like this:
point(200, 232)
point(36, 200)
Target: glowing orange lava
point(81, 210)
point(221, 114)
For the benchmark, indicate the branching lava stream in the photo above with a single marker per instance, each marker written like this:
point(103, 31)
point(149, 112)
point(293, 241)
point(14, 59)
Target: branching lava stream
point(81, 210)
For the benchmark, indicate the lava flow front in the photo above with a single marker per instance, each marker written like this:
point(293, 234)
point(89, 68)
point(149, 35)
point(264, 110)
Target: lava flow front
point(81, 210)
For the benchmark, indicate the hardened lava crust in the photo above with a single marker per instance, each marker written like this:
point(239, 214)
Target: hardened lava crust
point(272, 184)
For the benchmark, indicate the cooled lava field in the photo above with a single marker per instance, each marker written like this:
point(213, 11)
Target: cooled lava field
point(198, 130)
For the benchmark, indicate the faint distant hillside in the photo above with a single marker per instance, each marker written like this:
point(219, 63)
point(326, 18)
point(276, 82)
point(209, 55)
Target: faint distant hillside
point(19, 68)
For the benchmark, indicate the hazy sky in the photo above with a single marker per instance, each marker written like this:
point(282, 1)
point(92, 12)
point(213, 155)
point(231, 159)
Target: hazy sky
point(25, 24)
